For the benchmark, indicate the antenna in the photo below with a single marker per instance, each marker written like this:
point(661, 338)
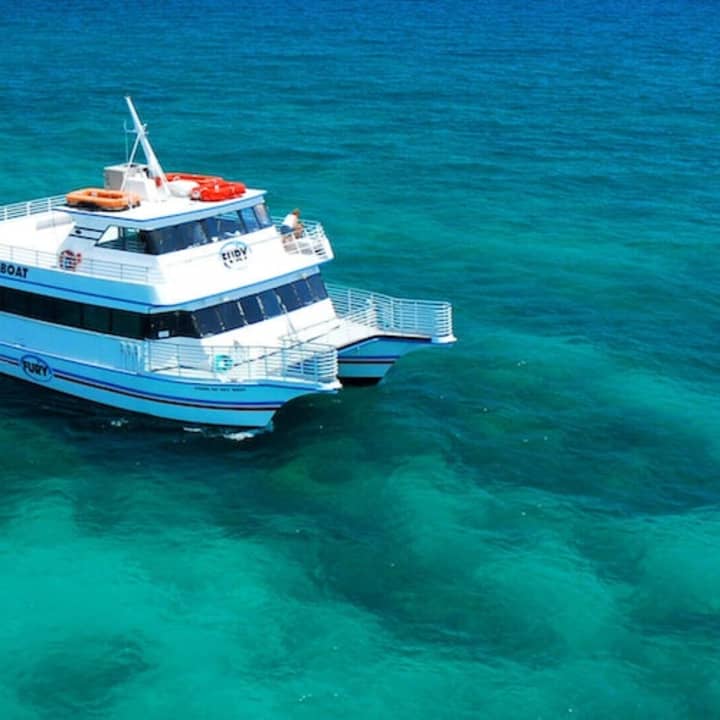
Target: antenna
point(154, 167)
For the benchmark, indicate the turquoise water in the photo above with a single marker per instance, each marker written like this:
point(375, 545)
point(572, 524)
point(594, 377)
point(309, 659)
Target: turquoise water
point(523, 526)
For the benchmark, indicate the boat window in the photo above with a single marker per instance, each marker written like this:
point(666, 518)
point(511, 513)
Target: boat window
point(96, 318)
point(226, 226)
point(40, 307)
point(270, 304)
point(231, 315)
point(241, 224)
point(16, 302)
point(317, 287)
point(208, 321)
point(127, 239)
point(251, 222)
point(184, 324)
point(127, 324)
point(251, 309)
point(133, 240)
point(177, 323)
point(262, 215)
point(211, 227)
point(68, 313)
point(289, 297)
point(200, 323)
point(161, 325)
point(177, 237)
point(303, 291)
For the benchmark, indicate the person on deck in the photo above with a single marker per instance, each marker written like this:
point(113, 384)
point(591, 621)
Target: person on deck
point(292, 224)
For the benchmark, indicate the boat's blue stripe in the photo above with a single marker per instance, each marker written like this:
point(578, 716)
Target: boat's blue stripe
point(167, 399)
point(155, 397)
point(368, 360)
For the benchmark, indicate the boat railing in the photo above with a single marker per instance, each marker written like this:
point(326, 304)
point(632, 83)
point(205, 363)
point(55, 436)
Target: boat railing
point(427, 318)
point(312, 240)
point(30, 207)
point(129, 272)
point(311, 362)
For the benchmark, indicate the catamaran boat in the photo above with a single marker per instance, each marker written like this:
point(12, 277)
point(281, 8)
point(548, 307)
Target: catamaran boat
point(177, 295)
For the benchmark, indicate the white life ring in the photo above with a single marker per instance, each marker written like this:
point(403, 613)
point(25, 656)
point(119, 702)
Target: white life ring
point(222, 363)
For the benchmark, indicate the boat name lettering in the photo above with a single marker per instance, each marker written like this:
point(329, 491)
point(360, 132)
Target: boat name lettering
point(17, 270)
point(234, 253)
point(36, 368)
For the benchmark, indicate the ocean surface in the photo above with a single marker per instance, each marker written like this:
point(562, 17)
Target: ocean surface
point(523, 526)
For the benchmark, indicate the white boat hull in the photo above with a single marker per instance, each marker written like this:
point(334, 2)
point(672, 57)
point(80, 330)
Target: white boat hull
point(367, 362)
point(227, 404)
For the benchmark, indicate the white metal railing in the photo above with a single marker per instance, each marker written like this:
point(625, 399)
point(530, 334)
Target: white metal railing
point(128, 272)
point(422, 317)
point(306, 361)
point(30, 207)
point(312, 241)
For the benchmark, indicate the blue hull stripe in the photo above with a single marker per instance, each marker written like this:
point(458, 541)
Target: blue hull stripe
point(368, 360)
point(152, 397)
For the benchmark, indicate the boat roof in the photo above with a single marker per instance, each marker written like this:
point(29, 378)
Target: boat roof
point(155, 214)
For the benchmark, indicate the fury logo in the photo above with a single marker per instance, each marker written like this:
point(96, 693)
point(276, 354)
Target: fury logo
point(36, 368)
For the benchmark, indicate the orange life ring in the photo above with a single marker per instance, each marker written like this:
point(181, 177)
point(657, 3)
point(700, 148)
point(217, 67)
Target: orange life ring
point(103, 199)
point(223, 190)
point(69, 260)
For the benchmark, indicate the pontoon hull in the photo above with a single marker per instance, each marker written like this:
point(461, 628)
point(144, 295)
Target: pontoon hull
point(227, 404)
point(367, 362)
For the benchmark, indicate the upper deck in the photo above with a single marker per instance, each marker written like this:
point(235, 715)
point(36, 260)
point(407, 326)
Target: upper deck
point(38, 237)
point(161, 205)
point(147, 239)
point(159, 214)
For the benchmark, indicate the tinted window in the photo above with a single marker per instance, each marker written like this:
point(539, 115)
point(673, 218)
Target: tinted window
point(127, 324)
point(262, 215)
point(68, 313)
point(289, 297)
point(208, 321)
point(162, 325)
point(317, 287)
point(231, 315)
point(303, 291)
point(16, 302)
point(133, 240)
point(40, 307)
point(251, 222)
point(73, 314)
point(176, 238)
point(211, 227)
point(201, 323)
point(185, 326)
point(96, 318)
point(251, 309)
point(171, 324)
point(240, 224)
point(228, 225)
point(270, 303)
